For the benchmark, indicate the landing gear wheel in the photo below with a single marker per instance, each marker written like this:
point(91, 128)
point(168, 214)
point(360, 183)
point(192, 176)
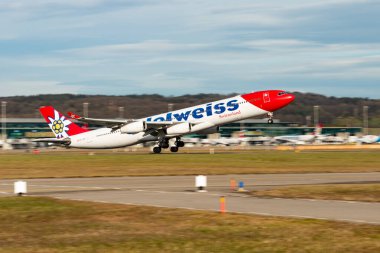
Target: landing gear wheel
point(174, 149)
point(270, 115)
point(157, 150)
point(180, 144)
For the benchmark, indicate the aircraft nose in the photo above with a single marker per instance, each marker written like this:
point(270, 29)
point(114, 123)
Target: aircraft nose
point(278, 100)
point(282, 101)
point(290, 98)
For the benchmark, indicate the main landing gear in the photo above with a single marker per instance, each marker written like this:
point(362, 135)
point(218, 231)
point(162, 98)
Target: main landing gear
point(179, 143)
point(157, 150)
point(174, 149)
point(270, 115)
point(164, 143)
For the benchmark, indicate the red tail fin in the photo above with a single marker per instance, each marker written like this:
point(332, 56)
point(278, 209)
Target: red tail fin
point(60, 126)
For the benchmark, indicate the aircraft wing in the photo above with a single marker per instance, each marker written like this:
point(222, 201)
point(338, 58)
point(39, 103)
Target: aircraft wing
point(115, 123)
point(102, 122)
point(65, 141)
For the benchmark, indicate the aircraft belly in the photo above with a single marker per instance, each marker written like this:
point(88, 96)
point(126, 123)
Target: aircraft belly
point(111, 140)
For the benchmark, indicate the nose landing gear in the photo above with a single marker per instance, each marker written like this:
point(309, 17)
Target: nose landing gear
point(270, 115)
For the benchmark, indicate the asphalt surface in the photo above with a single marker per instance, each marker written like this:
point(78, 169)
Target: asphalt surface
point(180, 192)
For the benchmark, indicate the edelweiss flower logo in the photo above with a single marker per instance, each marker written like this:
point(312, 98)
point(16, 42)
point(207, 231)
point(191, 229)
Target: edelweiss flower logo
point(59, 125)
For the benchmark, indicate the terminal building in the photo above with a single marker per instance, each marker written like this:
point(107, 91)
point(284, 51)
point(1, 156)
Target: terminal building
point(260, 127)
point(30, 128)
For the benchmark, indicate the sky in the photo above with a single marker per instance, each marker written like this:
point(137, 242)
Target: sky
point(176, 47)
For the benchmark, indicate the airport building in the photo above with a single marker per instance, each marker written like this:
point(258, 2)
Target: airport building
point(20, 128)
point(260, 127)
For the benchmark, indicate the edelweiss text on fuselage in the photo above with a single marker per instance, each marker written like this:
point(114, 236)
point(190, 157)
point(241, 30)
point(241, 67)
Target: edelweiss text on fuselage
point(200, 112)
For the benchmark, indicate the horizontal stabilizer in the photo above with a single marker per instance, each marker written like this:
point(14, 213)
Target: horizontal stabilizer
point(65, 141)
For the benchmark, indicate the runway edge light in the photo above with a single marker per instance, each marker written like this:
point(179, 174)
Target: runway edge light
point(20, 188)
point(201, 183)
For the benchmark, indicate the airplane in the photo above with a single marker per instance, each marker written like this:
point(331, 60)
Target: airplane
point(294, 139)
point(314, 138)
point(226, 141)
point(223, 141)
point(366, 139)
point(202, 119)
point(299, 139)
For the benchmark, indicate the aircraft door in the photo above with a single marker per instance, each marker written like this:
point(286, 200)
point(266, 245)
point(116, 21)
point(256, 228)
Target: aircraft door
point(266, 97)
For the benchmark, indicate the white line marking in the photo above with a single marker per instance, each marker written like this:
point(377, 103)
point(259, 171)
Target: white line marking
point(302, 216)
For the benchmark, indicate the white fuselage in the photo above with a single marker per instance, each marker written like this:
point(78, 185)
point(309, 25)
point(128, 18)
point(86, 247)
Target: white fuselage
point(203, 116)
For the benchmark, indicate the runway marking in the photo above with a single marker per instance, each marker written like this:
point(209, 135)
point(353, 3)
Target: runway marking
point(62, 186)
point(302, 216)
point(186, 193)
point(350, 202)
point(258, 213)
point(315, 200)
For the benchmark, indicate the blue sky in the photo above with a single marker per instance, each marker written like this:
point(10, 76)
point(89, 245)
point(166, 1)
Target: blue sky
point(176, 47)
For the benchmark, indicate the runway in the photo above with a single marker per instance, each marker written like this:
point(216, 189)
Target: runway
point(179, 192)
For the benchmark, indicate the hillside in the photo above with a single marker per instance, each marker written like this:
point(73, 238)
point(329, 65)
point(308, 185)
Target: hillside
point(333, 110)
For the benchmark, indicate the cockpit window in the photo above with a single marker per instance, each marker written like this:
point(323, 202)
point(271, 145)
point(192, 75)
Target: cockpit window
point(282, 93)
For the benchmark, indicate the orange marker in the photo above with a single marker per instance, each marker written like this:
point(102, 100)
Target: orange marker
point(222, 202)
point(233, 185)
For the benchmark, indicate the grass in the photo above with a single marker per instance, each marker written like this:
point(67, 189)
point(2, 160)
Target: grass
point(30, 224)
point(352, 192)
point(81, 164)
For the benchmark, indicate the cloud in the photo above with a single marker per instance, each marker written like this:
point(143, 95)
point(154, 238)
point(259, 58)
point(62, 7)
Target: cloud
point(50, 62)
point(7, 37)
point(27, 87)
point(144, 46)
point(42, 4)
point(277, 43)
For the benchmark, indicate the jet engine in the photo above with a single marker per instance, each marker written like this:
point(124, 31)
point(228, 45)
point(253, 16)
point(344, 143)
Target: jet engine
point(210, 130)
point(205, 128)
point(182, 128)
point(134, 127)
